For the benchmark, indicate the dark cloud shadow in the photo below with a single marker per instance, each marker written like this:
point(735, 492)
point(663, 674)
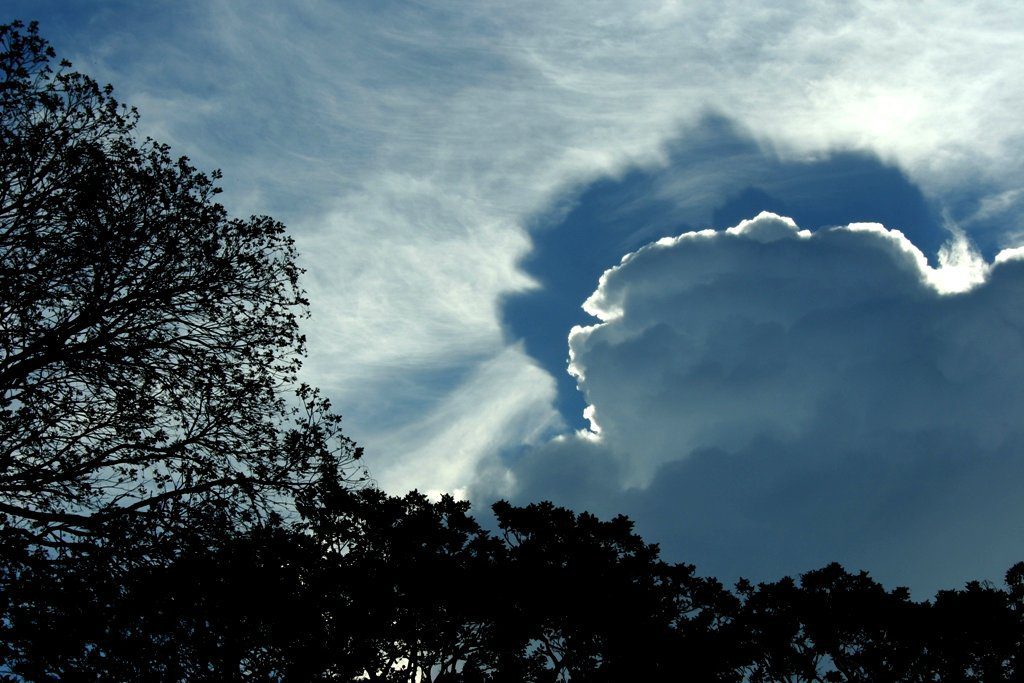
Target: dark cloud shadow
point(714, 176)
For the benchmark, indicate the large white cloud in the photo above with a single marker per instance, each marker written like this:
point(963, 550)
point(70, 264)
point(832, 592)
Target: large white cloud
point(768, 399)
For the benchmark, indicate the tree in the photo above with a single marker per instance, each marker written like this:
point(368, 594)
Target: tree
point(401, 589)
point(149, 342)
point(833, 625)
point(380, 588)
point(590, 600)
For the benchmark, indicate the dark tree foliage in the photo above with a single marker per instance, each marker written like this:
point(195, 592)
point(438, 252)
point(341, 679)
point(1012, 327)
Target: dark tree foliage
point(831, 625)
point(836, 626)
point(149, 342)
point(600, 604)
point(382, 589)
point(379, 588)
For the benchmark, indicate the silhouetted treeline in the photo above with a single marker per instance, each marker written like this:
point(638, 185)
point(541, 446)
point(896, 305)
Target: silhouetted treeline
point(381, 588)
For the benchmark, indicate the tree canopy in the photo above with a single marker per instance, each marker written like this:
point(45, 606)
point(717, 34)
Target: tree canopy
point(149, 342)
point(400, 589)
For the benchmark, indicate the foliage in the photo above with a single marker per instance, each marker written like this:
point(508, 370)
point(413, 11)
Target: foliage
point(148, 341)
point(385, 588)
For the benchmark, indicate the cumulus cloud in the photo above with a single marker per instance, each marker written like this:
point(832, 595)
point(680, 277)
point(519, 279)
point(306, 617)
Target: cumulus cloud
point(766, 399)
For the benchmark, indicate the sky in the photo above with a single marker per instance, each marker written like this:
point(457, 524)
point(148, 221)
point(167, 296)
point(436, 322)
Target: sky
point(748, 273)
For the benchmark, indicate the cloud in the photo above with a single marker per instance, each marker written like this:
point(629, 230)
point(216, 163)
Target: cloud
point(409, 145)
point(714, 176)
point(460, 442)
point(767, 399)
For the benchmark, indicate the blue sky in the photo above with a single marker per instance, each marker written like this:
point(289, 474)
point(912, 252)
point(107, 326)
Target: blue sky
point(459, 176)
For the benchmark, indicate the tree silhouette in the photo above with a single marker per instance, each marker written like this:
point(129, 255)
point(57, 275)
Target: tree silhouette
point(381, 588)
point(377, 588)
point(148, 341)
point(599, 603)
